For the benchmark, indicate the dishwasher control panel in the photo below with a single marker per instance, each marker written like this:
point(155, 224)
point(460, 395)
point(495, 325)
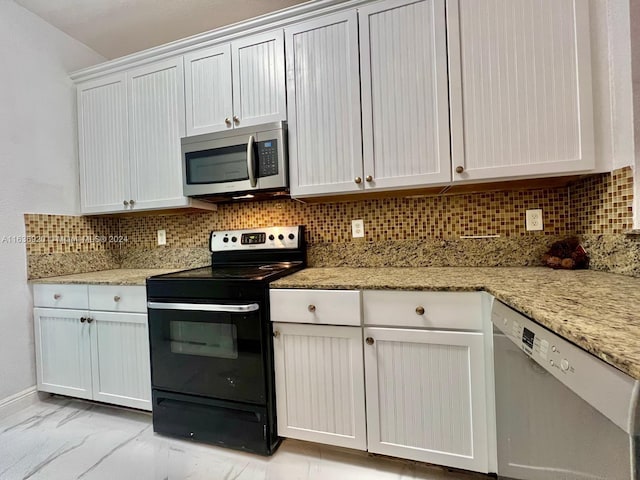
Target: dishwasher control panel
point(607, 389)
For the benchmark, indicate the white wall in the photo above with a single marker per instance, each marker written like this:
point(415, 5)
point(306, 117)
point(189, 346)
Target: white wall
point(38, 157)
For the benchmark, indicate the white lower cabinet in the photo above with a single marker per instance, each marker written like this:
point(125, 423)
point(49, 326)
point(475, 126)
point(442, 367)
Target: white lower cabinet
point(63, 352)
point(426, 396)
point(426, 376)
point(320, 384)
point(120, 359)
point(91, 354)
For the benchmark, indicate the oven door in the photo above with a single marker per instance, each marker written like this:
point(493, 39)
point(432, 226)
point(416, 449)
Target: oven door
point(212, 350)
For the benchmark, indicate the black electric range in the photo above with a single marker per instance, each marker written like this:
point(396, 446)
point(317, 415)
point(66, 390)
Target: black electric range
point(211, 340)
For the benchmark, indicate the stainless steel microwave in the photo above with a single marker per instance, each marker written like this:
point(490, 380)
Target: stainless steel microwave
point(236, 162)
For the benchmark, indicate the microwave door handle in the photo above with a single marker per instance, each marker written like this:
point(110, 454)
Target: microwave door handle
point(251, 162)
point(204, 307)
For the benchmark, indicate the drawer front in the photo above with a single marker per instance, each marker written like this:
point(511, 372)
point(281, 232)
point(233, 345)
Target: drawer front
point(321, 307)
point(60, 296)
point(118, 298)
point(443, 310)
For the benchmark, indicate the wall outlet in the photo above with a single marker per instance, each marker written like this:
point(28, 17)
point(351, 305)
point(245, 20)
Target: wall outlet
point(534, 220)
point(162, 237)
point(357, 228)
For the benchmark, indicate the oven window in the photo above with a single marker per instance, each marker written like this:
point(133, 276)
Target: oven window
point(218, 165)
point(204, 339)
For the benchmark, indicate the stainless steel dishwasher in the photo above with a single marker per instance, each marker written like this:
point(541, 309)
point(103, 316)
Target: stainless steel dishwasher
point(561, 412)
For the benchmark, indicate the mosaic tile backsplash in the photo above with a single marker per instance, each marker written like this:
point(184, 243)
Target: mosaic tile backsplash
point(595, 205)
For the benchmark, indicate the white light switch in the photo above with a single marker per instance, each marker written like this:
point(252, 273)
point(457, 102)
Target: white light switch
point(357, 228)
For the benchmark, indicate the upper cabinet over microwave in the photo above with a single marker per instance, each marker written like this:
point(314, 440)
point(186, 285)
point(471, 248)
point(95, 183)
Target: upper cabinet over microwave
point(237, 84)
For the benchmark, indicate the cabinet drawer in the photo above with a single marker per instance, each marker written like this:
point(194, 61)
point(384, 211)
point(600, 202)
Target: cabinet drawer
point(117, 298)
point(60, 296)
point(444, 310)
point(323, 307)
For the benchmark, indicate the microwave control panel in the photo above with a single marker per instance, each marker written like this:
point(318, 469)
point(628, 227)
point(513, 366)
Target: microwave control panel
point(267, 158)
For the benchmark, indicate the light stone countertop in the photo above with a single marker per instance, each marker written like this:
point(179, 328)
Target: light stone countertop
point(600, 312)
point(120, 276)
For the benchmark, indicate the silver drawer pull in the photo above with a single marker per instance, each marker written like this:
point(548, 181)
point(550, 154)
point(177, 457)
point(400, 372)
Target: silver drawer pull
point(116, 298)
point(420, 310)
point(204, 307)
point(311, 308)
point(57, 296)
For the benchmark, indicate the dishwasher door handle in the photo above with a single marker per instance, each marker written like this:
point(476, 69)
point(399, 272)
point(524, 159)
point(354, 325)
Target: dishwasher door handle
point(204, 307)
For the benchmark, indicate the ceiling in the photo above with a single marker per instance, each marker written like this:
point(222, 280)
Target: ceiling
point(114, 28)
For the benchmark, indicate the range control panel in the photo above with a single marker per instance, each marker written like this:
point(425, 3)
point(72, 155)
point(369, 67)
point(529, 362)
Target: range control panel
point(267, 238)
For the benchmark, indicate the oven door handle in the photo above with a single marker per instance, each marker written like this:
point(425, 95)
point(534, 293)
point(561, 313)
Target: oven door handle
point(204, 307)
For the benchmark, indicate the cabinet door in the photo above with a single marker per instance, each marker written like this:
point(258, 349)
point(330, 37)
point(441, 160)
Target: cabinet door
point(63, 356)
point(103, 144)
point(426, 396)
point(120, 359)
point(156, 123)
point(405, 105)
point(320, 384)
point(207, 79)
point(520, 86)
point(323, 105)
point(258, 79)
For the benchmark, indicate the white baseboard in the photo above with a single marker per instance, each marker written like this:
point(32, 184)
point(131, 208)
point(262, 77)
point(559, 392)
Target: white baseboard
point(17, 402)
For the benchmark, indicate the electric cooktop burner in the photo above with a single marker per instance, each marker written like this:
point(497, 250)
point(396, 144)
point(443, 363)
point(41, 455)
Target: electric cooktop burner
point(244, 272)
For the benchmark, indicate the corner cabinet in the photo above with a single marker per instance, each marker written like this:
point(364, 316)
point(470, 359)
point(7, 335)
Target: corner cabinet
point(520, 86)
point(92, 343)
point(236, 84)
point(129, 128)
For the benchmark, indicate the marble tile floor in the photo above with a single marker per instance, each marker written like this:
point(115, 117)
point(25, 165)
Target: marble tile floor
point(64, 439)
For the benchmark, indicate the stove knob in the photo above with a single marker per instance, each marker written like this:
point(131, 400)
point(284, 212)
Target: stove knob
point(291, 236)
point(281, 237)
point(225, 239)
point(234, 239)
point(272, 238)
point(564, 364)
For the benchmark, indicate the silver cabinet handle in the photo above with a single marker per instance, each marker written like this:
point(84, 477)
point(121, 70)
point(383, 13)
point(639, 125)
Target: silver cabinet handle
point(131, 202)
point(420, 310)
point(459, 169)
point(204, 307)
point(57, 296)
point(369, 178)
point(250, 161)
point(89, 319)
point(227, 121)
point(276, 334)
point(370, 341)
point(357, 180)
point(82, 319)
point(311, 308)
point(236, 120)
point(125, 203)
point(116, 298)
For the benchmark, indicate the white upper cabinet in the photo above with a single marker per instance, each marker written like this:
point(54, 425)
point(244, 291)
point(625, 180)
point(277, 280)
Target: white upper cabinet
point(520, 85)
point(258, 79)
point(156, 123)
point(237, 84)
point(405, 108)
point(103, 144)
point(323, 105)
point(207, 79)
